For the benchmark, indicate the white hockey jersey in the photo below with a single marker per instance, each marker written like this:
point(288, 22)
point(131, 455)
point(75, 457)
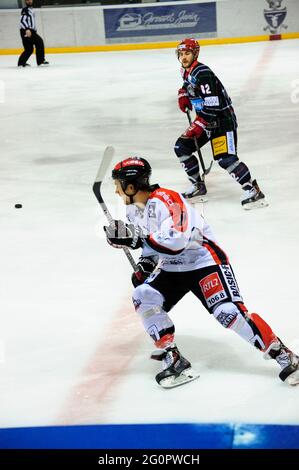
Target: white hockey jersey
point(175, 232)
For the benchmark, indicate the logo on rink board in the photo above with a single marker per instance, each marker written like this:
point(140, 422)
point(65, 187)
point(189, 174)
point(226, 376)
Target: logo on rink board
point(212, 289)
point(160, 20)
point(275, 16)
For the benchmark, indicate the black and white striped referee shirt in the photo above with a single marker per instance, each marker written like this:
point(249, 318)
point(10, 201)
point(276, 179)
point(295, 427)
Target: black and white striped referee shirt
point(28, 19)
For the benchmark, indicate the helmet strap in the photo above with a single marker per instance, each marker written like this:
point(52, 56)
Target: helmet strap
point(130, 196)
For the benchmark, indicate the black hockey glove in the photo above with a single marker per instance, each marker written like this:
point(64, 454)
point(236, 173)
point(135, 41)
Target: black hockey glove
point(120, 234)
point(146, 265)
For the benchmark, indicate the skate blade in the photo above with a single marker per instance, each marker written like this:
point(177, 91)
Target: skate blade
point(293, 379)
point(255, 205)
point(186, 376)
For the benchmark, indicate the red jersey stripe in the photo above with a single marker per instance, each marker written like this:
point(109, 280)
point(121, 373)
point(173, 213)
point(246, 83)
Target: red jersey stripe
point(175, 205)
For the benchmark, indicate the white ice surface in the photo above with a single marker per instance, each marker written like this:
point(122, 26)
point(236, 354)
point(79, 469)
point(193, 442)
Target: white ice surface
point(63, 289)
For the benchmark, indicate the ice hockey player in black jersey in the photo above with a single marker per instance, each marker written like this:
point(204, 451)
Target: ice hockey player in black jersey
point(180, 255)
point(215, 122)
point(30, 38)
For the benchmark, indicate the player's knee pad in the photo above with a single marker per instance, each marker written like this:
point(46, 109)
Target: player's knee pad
point(183, 147)
point(226, 314)
point(146, 298)
point(148, 303)
point(228, 162)
point(230, 316)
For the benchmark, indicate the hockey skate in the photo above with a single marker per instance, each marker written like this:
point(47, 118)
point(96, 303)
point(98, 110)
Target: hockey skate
point(176, 369)
point(196, 192)
point(288, 361)
point(45, 63)
point(253, 197)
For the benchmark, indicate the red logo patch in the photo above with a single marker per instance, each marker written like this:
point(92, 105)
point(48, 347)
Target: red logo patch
point(211, 285)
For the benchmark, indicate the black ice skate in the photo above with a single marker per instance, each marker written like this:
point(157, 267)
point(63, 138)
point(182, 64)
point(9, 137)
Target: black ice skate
point(45, 63)
point(253, 197)
point(288, 361)
point(196, 192)
point(176, 369)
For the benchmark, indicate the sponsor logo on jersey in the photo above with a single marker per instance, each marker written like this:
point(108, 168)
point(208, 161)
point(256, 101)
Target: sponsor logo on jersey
point(211, 101)
point(166, 197)
point(197, 103)
point(173, 261)
point(212, 289)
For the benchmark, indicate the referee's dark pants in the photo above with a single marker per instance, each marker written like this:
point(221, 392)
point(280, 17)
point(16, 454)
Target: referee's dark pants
point(29, 43)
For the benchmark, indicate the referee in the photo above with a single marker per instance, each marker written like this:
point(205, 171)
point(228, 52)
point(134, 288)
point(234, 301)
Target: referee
point(30, 37)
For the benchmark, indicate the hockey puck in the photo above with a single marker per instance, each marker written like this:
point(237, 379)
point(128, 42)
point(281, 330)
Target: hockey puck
point(18, 206)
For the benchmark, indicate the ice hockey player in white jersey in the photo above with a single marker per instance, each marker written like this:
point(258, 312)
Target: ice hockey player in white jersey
point(179, 255)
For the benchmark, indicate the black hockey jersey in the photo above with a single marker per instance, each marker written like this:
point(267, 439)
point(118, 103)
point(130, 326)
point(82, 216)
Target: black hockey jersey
point(209, 97)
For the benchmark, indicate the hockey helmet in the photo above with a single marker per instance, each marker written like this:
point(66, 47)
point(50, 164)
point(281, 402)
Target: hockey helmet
point(188, 44)
point(133, 170)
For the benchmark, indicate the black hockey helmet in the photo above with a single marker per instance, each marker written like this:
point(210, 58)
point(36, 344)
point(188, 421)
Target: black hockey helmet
point(133, 170)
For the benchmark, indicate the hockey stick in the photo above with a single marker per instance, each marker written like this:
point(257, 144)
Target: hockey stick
point(205, 170)
point(106, 160)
